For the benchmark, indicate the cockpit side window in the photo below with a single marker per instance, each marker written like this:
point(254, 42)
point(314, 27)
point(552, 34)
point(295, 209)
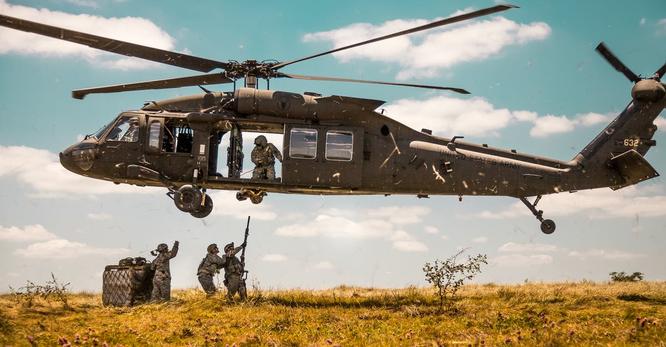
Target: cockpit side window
point(126, 130)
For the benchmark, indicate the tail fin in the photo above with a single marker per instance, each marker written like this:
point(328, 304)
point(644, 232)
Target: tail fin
point(633, 129)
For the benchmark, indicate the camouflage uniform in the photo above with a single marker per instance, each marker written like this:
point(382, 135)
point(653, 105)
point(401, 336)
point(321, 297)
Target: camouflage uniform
point(209, 266)
point(233, 272)
point(162, 279)
point(263, 156)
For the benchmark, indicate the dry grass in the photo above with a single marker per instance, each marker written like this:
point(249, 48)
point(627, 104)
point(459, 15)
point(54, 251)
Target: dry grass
point(530, 314)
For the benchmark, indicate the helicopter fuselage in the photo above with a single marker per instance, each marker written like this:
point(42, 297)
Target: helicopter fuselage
point(331, 145)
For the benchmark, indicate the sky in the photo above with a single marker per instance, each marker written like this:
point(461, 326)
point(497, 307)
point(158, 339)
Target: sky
point(537, 86)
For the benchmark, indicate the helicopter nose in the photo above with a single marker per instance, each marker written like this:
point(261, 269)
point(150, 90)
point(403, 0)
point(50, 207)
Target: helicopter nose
point(78, 158)
point(66, 160)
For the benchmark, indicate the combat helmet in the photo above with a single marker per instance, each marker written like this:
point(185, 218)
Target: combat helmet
point(162, 247)
point(212, 248)
point(260, 141)
point(228, 247)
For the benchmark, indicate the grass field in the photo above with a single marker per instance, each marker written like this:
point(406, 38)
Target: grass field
point(530, 314)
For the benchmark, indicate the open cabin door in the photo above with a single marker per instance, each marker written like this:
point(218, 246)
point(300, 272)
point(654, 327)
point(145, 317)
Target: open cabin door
point(169, 147)
point(323, 156)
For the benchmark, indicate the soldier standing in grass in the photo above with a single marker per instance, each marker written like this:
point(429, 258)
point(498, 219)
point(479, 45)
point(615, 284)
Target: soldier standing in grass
point(263, 156)
point(209, 266)
point(162, 278)
point(233, 272)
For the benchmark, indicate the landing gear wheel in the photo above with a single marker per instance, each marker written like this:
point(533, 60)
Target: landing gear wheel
point(205, 210)
point(257, 199)
point(187, 198)
point(241, 197)
point(547, 226)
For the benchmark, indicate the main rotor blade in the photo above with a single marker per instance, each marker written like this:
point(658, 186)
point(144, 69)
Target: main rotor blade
point(216, 78)
point(450, 20)
point(114, 46)
point(336, 79)
point(616, 63)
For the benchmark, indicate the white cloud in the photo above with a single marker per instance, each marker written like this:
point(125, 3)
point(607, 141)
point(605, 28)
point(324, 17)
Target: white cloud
point(403, 241)
point(226, 204)
point(645, 201)
point(526, 247)
point(605, 254)
point(99, 216)
point(34, 232)
point(426, 54)
point(661, 27)
point(549, 125)
point(444, 237)
point(660, 122)
point(514, 260)
point(431, 229)
point(337, 227)
point(589, 119)
point(84, 3)
point(448, 116)
point(642, 21)
point(65, 249)
point(41, 170)
point(274, 258)
point(131, 29)
point(359, 225)
point(399, 214)
point(323, 265)
point(481, 239)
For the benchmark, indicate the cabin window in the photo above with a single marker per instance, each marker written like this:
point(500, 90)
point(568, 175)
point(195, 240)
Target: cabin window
point(184, 139)
point(154, 131)
point(339, 145)
point(303, 143)
point(126, 130)
point(178, 137)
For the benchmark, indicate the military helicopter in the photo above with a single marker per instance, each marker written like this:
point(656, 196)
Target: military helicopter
point(332, 144)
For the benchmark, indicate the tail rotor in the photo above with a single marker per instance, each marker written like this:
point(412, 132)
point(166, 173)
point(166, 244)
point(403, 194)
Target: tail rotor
point(645, 89)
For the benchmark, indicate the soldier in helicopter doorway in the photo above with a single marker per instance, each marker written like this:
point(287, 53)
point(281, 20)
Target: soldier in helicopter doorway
point(263, 156)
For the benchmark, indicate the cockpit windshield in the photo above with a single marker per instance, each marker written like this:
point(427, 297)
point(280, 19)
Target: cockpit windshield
point(126, 130)
point(98, 134)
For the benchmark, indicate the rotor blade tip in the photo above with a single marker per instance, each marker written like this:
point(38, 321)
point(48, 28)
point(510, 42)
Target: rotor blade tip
point(78, 95)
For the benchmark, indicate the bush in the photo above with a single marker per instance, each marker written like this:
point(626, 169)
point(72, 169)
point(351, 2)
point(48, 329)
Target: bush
point(448, 276)
point(49, 292)
point(623, 277)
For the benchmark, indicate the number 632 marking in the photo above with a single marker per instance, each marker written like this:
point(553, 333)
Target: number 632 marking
point(632, 142)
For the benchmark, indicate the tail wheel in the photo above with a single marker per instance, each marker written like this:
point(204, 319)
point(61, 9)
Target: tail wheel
point(205, 209)
point(187, 198)
point(241, 197)
point(548, 226)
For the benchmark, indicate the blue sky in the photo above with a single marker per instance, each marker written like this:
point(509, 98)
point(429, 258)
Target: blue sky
point(537, 86)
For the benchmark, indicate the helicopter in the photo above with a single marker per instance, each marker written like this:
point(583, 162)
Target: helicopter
point(333, 145)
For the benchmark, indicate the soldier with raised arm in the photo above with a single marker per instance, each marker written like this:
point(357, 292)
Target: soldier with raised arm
point(162, 278)
point(209, 266)
point(233, 272)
